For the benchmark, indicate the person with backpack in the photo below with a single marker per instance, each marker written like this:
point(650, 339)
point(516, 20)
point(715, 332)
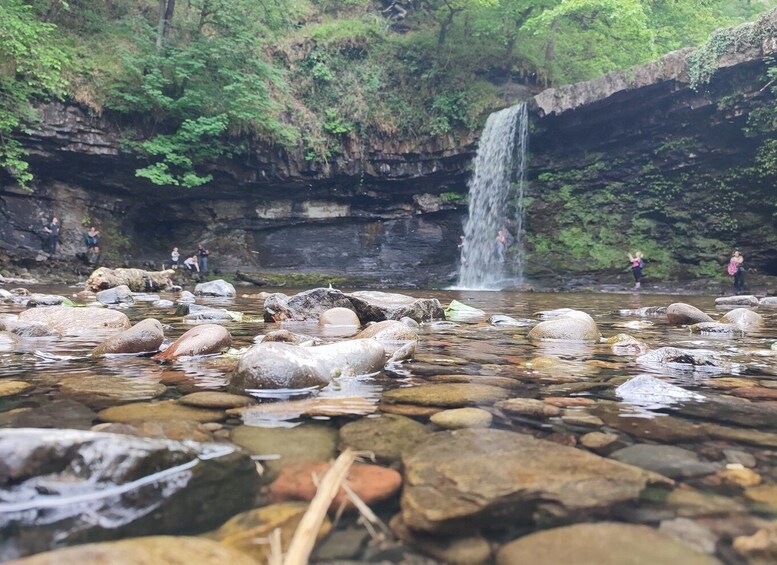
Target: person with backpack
point(736, 270)
point(637, 263)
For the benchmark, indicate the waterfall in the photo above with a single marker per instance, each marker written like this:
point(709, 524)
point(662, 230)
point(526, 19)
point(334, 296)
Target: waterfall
point(496, 204)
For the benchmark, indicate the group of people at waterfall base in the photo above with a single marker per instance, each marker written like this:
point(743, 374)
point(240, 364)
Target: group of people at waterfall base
point(196, 263)
point(91, 240)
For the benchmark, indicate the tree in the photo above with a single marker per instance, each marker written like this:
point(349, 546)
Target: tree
point(209, 80)
point(30, 69)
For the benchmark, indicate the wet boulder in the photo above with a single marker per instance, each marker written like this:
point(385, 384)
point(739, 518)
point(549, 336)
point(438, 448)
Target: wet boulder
point(143, 485)
point(205, 315)
point(374, 306)
point(389, 331)
point(742, 300)
point(144, 337)
point(650, 392)
point(573, 325)
point(744, 319)
point(117, 295)
point(137, 280)
point(463, 480)
point(218, 288)
point(281, 365)
point(339, 317)
point(206, 339)
point(45, 300)
point(370, 306)
point(681, 314)
point(67, 320)
point(715, 328)
point(27, 329)
point(674, 356)
point(304, 306)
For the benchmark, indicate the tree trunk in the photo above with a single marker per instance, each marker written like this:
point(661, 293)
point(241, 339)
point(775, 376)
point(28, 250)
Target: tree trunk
point(166, 10)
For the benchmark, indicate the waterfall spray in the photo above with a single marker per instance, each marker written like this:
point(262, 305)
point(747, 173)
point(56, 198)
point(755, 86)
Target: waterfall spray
point(496, 204)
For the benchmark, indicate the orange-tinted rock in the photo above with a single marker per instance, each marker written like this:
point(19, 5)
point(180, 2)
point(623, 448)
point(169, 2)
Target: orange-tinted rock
point(371, 483)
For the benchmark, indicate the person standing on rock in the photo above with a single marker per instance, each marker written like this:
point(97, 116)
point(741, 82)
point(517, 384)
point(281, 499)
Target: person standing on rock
point(735, 268)
point(53, 230)
point(636, 267)
point(202, 258)
point(174, 257)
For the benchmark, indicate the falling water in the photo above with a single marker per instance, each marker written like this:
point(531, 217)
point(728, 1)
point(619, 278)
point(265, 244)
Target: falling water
point(496, 203)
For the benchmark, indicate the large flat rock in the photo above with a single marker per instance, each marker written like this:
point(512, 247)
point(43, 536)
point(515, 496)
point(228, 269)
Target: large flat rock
point(464, 480)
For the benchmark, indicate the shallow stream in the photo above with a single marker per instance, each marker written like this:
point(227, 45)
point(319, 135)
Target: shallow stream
point(587, 375)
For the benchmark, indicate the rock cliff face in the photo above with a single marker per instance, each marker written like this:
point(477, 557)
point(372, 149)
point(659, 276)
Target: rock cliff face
point(637, 158)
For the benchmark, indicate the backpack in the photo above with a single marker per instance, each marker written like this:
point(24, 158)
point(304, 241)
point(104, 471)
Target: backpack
point(732, 269)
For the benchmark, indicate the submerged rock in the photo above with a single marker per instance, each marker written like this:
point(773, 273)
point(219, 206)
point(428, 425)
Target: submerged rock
point(387, 437)
point(144, 337)
point(459, 418)
point(282, 365)
point(101, 391)
point(136, 486)
point(371, 483)
point(278, 448)
point(151, 550)
point(389, 330)
point(603, 543)
point(668, 460)
point(70, 321)
point(465, 480)
point(573, 325)
point(206, 339)
point(453, 395)
point(242, 531)
point(163, 410)
point(137, 280)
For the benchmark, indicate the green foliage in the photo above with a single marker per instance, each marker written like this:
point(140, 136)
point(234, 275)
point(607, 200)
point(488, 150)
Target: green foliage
point(194, 142)
point(454, 197)
point(304, 73)
point(30, 69)
point(703, 62)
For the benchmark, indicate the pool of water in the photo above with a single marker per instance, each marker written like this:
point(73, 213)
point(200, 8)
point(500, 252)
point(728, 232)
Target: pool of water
point(466, 352)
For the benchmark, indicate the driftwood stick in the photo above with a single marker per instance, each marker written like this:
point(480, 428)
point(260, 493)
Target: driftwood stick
point(305, 536)
point(276, 548)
